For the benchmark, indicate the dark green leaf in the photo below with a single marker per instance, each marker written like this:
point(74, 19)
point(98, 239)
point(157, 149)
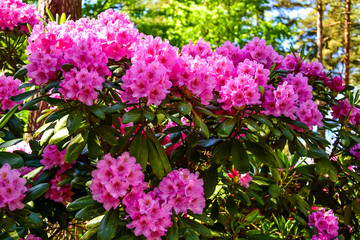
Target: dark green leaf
point(20, 73)
point(94, 146)
point(75, 147)
point(239, 157)
point(107, 133)
point(200, 122)
point(22, 96)
point(160, 151)
point(108, 225)
point(133, 115)
point(201, 229)
point(97, 111)
point(231, 206)
point(274, 191)
point(226, 127)
point(209, 142)
point(80, 203)
point(184, 108)
point(210, 181)
point(10, 143)
point(222, 152)
point(30, 104)
point(89, 212)
point(13, 159)
point(8, 115)
point(74, 120)
point(252, 217)
point(57, 115)
point(139, 149)
point(36, 192)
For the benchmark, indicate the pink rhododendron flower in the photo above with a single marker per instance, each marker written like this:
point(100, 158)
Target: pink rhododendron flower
point(12, 188)
point(113, 177)
point(31, 237)
point(326, 224)
point(8, 88)
point(356, 151)
point(244, 178)
point(14, 13)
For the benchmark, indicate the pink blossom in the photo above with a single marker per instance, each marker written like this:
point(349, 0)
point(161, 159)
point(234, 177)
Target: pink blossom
point(12, 188)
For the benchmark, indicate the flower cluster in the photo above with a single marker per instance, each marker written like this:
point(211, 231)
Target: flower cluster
point(244, 178)
point(181, 190)
point(148, 77)
point(12, 188)
point(325, 223)
point(8, 88)
point(334, 84)
point(149, 217)
point(14, 13)
point(86, 45)
point(293, 63)
point(343, 109)
point(356, 151)
point(113, 177)
point(52, 157)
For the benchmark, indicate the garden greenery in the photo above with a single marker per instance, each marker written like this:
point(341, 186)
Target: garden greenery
point(143, 140)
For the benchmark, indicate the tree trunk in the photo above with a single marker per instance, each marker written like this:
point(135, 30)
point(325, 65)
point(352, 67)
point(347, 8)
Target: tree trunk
point(319, 29)
point(69, 7)
point(347, 41)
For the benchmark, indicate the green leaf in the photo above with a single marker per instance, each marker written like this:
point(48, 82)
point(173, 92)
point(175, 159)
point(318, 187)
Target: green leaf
point(95, 222)
point(226, 127)
point(74, 120)
point(201, 229)
point(51, 17)
point(160, 150)
point(173, 232)
point(13, 159)
point(257, 197)
point(239, 157)
point(94, 146)
point(80, 203)
point(116, 107)
point(31, 104)
point(59, 136)
point(200, 122)
point(133, 115)
point(107, 133)
point(252, 217)
point(301, 149)
point(36, 192)
point(325, 167)
point(49, 86)
point(203, 218)
point(222, 152)
point(263, 119)
point(90, 234)
point(108, 225)
point(10, 143)
point(155, 161)
point(20, 73)
point(231, 205)
point(190, 235)
point(22, 96)
point(97, 111)
point(263, 154)
point(62, 18)
point(139, 149)
point(210, 181)
point(89, 212)
point(274, 191)
point(57, 115)
point(75, 147)
point(8, 115)
point(285, 129)
point(184, 108)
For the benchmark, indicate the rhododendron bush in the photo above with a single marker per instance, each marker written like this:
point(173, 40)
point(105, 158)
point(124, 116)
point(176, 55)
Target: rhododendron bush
point(143, 140)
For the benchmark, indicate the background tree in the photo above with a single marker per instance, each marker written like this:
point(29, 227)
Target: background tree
point(69, 7)
point(214, 21)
